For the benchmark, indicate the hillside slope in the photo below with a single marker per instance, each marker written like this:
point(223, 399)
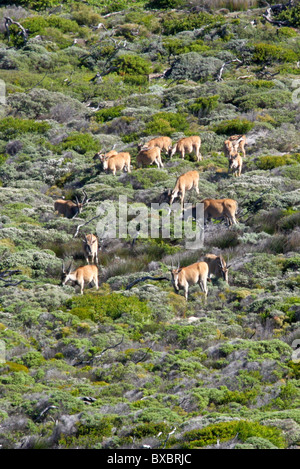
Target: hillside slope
point(133, 364)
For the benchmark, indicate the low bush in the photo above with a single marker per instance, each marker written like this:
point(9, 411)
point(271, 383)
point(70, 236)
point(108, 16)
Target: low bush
point(79, 142)
point(291, 15)
point(264, 52)
point(193, 66)
point(165, 123)
point(175, 46)
point(174, 23)
point(165, 4)
point(204, 105)
point(224, 431)
point(271, 162)
point(233, 126)
point(131, 64)
point(263, 100)
point(104, 115)
point(11, 127)
point(100, 307)
point(37, 4)
point(84, 15)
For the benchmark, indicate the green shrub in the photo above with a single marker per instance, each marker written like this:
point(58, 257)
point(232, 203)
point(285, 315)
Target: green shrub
point(37, 4)
point(31, 359)
point(81, 143)
point(165, 123)
point(286, 32)
point(3, 158)
point(145, 179)
point(263, 100)
point(270, 162)
point(226, 430)
point(11, 127)
point(165, 4)
point(292, 263)
point(131, 64)
point(204, 105)
point(85, 15)
point(149, 429)
point(114, 306)
point(193, 66)
point(174, 23)
point(233, 126)
point(264, 52)
point(175, 46)
point(104, 115)
point(292, 15)
point(262, 84)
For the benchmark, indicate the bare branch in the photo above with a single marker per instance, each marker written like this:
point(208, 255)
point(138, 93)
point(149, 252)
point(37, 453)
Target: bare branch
point(23, 32)
point(142, 279)
point(86, 223)
point(108, 348)
point(5, 277)
point(220, 74)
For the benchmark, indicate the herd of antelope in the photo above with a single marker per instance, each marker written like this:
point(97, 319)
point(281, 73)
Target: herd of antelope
point(149, 153)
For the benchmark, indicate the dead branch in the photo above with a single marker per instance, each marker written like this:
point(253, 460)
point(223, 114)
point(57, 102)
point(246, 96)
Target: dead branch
point(37, 84)
point(110, 347)
point(275, 10)
point(220, 74)
point(143, 357)
point(5, 277)
point(142, 279)
point(86, 223)
point(113, 13)
point(23, 32)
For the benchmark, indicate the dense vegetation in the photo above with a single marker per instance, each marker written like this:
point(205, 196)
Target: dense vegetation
point(125, 368)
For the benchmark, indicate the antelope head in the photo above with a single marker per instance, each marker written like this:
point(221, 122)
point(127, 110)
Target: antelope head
point(65, 273)
point(98, 155)
point(224, 269)
point(88, 243)
point(175, 277)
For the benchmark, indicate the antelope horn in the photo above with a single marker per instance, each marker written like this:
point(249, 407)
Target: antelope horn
point(85, 198)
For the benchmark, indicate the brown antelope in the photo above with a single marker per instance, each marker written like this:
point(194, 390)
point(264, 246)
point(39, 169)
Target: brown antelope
point(81, 276)
point(235, 143)
point(220, 208)
point(68, 208)
point(117, 162)
point(235, 164)
point(187, 145)
point(164, 143)
point(217, 266)
point(185, 276)
point(103, 156)
point(149, 156)
point(90, 248)
point(184, 183)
